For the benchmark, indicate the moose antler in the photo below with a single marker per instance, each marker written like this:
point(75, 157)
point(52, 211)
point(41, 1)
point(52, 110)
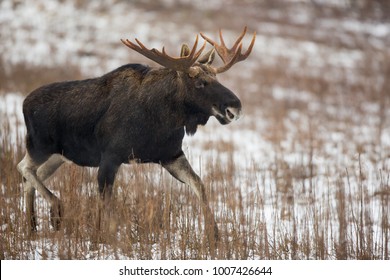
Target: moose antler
point(233, 55)
point(176, 63)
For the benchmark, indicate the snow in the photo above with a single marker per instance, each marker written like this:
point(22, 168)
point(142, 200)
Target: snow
point(11, 109)
point(59, 33)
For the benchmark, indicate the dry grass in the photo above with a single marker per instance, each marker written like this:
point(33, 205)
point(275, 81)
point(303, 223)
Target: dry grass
point(22, 77)
point(282, 217)
point(320, 189)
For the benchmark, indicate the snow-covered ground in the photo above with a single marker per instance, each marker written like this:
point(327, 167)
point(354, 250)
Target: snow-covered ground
point(313, 141)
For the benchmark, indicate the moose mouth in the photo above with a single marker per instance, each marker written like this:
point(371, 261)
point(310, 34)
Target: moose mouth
point(227, 114)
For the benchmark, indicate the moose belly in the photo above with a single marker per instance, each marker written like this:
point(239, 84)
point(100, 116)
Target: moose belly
point(153, 154)
point(85, 150)
point(81, 151)
point(155, 149)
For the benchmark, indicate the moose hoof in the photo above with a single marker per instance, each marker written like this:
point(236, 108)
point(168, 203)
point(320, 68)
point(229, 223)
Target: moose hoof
point(56, 215)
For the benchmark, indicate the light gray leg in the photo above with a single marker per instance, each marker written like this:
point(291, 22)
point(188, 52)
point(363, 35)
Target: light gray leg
point(182, 170)
point(49, 167)
point(29, 198)
point(35, 174)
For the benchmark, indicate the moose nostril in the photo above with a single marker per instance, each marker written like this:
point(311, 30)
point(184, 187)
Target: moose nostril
point(230, 114)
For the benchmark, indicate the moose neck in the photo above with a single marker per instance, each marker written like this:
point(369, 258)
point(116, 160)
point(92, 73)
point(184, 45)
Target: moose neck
point(162, 97)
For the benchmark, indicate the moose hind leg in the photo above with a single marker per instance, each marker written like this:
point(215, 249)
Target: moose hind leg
point(182, 170)
point(29, 198)
point(44, 172)
point(49, 167)
point(34, 174)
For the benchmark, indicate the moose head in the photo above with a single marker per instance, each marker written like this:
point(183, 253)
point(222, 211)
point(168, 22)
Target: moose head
point(204, 92)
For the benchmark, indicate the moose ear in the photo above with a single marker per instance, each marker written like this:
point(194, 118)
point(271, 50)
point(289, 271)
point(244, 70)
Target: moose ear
point(185, 51)
point(208, 57)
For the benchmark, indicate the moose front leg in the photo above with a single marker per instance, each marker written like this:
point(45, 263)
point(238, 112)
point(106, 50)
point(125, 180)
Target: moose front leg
point(182, 170)
point(106, 221)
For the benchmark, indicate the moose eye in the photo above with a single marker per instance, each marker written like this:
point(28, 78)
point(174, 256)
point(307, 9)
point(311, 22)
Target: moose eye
point(200, 84)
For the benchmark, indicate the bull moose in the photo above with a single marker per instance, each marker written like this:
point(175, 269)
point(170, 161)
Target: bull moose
point(134, 113)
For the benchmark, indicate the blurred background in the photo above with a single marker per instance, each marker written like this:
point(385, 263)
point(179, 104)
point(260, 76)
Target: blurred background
point(326, 40)
point(319, 70)
point(315, 94)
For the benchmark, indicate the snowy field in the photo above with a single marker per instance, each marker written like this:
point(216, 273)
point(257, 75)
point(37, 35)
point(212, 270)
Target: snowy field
point(309, 161)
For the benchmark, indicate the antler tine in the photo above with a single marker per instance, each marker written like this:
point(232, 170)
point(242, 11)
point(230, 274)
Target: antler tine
point(196, 55)
point(162, 58)
point(193, 56)
point(194, 46)
point(221, 38)
point(233, 55)
point(232, 61)
point(239, 39)
point(218, 48)
point(249, 50)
